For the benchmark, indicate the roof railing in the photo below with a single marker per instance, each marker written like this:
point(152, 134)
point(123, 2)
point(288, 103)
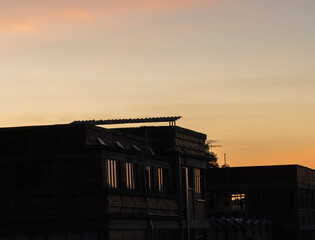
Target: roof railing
point(172, 121)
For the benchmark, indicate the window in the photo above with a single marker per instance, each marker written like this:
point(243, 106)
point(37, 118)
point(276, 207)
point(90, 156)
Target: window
point(136, 148)
point(197, 181)
point(160, 179)
point(190, 178)
point(101, 141)
point(112, 173)
point(130, 176)
point(118, 144)
point(149, 178)
point(226, 201)
point(237, 202)
point(151, 151)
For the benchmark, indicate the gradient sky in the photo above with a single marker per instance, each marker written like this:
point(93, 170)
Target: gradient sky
point(241, 71)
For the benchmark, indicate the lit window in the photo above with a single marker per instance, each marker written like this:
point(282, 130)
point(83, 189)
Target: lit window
point(130, 176)
point(111, 174)
point(197, 181)
point(149, 178)
point(160, 179)
point(238, 202)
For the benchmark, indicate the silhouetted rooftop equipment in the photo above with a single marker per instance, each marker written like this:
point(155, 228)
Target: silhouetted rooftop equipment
point(171, 120)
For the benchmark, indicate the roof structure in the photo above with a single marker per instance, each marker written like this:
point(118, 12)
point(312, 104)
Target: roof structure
point(171, 120)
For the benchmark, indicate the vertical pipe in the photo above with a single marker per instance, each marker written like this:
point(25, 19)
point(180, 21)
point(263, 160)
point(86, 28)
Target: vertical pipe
point(187, 205)
point(180, 185)
point(224, 159)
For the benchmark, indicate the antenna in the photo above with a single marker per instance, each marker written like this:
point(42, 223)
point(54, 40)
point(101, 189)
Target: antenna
point(210, 144)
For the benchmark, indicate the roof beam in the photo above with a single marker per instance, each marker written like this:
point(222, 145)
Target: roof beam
point(171, 120)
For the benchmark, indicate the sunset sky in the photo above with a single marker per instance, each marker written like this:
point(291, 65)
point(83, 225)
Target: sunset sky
point(241, 71)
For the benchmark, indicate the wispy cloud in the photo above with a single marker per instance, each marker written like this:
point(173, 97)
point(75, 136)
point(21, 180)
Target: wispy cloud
point(172, 5)
point(27, 27)
point(78, 14)
point(113, 13)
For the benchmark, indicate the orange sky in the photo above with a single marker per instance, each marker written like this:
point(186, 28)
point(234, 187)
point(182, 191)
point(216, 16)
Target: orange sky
point(240, 71)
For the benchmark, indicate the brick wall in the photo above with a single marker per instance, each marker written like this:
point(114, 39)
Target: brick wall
point(191, 144)
point(125, 204)
point(162, 206)
point(200, 209)
point(127, 235)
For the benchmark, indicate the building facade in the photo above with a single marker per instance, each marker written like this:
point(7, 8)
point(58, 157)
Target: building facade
point(284, 194)
point(83, 182)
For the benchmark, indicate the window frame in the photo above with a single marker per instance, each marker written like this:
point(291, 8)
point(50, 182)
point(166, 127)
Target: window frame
point(197, 178)
point(112, 181)
point(149, 175)
point(161, 187)
point(130, 176)
point(238, 202)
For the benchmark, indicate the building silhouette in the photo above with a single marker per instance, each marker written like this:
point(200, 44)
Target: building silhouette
point(83, 182)
point(284, 194)
point(80, 181)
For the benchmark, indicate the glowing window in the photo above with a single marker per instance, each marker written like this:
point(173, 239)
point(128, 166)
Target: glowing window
point(111, 174)
point(197, 181)
point(160, 179)
point(149, 178)
point(238, 202)
point(130, 176)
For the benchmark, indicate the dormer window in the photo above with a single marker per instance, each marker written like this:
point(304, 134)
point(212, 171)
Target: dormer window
point(101, 141)
point(119, 145)
point(136, 148)
point(151, 151)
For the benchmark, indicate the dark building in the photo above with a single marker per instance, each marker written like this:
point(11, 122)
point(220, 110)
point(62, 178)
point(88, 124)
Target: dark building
point(83, 182)
point(284, 194)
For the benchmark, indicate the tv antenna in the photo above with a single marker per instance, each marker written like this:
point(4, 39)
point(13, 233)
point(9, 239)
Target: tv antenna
point(211, 145)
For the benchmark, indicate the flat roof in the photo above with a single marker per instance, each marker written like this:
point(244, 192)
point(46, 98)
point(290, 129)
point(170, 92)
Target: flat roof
point(267, 166)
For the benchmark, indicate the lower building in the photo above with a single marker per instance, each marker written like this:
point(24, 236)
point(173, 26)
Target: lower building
point(284, 194)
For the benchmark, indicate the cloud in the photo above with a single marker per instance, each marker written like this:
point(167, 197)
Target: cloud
point(16, 20)
point(78, 14)
point(26, 27)
point(173, 4)
point(49, 18)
